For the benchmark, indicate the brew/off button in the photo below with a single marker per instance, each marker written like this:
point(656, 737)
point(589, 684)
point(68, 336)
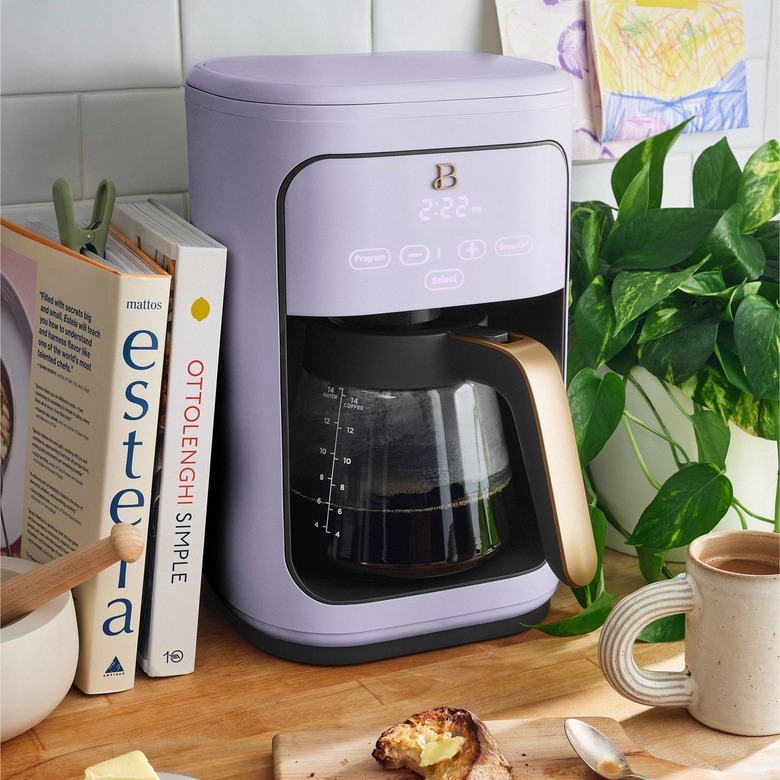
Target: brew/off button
point(365, 259)
point(444, 279)
point(513, 245)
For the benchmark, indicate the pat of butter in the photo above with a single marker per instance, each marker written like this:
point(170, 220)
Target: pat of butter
point(440, 750)
point(130, 766)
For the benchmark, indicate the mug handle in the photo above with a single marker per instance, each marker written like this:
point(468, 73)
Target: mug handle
point(527, 375)
point(622, 627)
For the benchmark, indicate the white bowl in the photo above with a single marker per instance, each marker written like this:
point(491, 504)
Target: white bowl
point(38, 656)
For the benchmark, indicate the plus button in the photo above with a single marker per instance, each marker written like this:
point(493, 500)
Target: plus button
point(471, 249)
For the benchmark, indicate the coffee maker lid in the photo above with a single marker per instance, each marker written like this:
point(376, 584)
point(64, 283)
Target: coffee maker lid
point(373, 78)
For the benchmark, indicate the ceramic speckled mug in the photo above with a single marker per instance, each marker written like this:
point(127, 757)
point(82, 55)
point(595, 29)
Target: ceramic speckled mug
point(730, 595)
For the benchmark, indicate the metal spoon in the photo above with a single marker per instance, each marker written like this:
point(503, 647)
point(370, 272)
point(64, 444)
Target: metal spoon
point(599, 752)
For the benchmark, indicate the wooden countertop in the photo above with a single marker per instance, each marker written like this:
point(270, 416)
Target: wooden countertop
point(218, 723)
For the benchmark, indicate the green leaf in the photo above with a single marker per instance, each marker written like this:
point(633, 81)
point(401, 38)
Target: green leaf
point(768, 290)
point(690, 503)
point(581, 211)
point(679, 355)
point(596, 405)
point(726, 352)
point(759, 417)
point(759, 186)
point(590, 224)
point(768, 235)
point(757, 337)
point(747, 263)
point(577, 269)
point(676, 312)
point(716, 176)
point(588, 620)
point(594, 323)
point(727, 248)
point(705, 283)
point(712, 437)
point(636, 198)
point(635, 292)
point(659, 238)
point(666, 629)
point(650, 562)
point(738, 293)
point(593, 232)
point(711, 388)
point(651, 151)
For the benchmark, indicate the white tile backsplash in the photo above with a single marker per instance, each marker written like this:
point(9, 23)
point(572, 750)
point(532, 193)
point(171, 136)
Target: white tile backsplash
point(93, 88)
point(459, 25)
point(237, 27)
point(772, 125)
point(116, 132)
point(39, 142)
point(758, 27)
point(80, 45)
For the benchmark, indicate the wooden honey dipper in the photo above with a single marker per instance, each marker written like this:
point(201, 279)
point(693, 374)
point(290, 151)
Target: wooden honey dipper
point(25, 592)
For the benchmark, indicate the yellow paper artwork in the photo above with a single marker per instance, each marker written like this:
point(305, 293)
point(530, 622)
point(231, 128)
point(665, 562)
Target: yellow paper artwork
point(658, 63)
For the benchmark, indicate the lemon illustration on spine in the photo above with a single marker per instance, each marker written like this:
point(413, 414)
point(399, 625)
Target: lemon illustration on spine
point(200, 309)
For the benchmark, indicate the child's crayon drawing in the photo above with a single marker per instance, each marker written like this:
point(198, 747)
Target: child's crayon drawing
point(661, 61)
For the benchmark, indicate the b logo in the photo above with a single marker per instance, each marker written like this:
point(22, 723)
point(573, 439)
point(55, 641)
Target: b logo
point(446, 179)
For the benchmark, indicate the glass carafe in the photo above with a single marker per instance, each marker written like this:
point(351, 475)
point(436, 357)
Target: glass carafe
point(400, 482)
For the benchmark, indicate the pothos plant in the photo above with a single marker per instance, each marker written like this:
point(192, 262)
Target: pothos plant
point(691, 295)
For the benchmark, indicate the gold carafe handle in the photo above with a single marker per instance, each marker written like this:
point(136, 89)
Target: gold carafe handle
point(528, 377)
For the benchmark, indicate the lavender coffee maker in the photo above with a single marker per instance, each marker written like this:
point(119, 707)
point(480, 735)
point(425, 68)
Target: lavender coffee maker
point(395, 467)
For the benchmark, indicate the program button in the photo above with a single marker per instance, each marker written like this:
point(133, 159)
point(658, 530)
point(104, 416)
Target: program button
point(365, 259)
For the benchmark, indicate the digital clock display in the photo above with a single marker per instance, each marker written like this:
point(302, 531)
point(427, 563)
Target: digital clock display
point(447, 207)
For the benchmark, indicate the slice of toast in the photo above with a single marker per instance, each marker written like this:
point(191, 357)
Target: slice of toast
point(443, 744)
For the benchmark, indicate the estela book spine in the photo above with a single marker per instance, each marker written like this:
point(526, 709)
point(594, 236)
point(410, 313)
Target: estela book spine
point(95, 381)
point(172, 590)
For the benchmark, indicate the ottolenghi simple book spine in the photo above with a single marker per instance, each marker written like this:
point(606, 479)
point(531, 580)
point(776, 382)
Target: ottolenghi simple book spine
point(169, 644)
point(173, 582)
point(96, 375)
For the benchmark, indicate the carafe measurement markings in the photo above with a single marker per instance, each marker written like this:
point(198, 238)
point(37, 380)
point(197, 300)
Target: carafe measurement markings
point(334, 458)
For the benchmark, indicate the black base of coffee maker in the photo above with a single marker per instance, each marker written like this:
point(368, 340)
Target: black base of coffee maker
point(361, 654)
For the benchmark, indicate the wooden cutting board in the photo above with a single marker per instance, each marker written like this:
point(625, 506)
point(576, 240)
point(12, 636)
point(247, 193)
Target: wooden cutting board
point(535, 748)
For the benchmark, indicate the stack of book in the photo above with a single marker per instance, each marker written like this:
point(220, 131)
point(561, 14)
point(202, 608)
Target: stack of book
point(119, 416)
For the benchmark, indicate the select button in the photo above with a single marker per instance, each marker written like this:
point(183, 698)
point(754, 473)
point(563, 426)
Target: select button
point(445, 279)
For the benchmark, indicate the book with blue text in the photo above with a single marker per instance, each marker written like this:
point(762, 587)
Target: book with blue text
point(95, 376)
point(197, 264)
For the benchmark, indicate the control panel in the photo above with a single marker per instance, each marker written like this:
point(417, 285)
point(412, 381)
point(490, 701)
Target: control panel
point(362, 234)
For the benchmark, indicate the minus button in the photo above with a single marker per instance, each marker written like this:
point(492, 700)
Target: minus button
point(415, 254)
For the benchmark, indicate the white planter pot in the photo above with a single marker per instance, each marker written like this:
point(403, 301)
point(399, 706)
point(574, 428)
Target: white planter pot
point(751, 465)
